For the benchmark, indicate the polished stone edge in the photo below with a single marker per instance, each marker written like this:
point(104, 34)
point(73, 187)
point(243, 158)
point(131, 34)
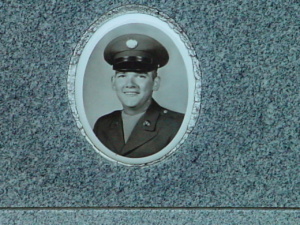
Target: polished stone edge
point(149, 216)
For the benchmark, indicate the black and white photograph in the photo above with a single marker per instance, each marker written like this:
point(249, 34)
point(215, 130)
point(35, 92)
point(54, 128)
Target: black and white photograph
point(134, 88)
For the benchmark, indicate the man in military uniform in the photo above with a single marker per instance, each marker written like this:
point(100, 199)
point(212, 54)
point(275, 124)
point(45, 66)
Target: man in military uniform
point(143, 127)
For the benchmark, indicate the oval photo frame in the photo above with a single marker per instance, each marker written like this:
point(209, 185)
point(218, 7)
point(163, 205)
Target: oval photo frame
point(89, 76)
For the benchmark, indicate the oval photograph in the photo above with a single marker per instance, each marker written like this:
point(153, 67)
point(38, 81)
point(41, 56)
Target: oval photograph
point(134, 86)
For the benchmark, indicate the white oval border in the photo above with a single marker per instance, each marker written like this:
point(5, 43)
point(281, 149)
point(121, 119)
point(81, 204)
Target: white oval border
point(113, 19)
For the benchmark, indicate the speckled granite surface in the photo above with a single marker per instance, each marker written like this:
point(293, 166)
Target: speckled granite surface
point(150, 216)
point(244, 151)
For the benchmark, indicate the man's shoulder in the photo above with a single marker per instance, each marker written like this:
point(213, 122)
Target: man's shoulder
point(167, 114)
point(169, 121)
point(108, 118)
point(170, 114)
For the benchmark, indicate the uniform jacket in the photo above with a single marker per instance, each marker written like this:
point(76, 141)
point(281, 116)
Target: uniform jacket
point(155, 129)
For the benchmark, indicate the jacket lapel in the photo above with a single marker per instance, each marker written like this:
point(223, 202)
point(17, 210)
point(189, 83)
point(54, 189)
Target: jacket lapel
point(115, 133)
point(144, 130)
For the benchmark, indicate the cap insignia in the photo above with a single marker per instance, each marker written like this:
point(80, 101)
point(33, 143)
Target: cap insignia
point(131, 43)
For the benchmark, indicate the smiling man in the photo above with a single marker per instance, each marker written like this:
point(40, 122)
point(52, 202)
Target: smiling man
point(143, 127)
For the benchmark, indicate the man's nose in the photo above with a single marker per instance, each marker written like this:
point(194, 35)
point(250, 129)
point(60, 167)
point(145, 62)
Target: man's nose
point(130, 82)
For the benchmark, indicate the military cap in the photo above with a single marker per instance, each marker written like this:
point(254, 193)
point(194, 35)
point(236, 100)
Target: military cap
point(135, 53)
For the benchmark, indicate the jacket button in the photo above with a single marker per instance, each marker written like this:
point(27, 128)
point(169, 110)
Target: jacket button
point(165, 111)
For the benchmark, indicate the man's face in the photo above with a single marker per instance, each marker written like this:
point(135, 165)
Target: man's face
point(134, 89)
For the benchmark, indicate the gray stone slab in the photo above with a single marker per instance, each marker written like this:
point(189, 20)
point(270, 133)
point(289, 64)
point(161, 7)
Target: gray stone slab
point(150, 216)
point(243, 152)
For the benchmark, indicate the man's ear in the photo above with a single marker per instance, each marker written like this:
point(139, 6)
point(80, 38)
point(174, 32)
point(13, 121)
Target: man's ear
point(156, 83)
point(113, 82)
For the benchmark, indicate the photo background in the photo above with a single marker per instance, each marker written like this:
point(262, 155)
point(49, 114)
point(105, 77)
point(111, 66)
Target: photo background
point(98, 96)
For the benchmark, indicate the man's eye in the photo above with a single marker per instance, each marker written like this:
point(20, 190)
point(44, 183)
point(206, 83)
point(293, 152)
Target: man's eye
point(142, 76)
point(120, 75)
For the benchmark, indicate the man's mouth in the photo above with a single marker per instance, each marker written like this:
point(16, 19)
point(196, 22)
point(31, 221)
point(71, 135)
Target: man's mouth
point(131, 93)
